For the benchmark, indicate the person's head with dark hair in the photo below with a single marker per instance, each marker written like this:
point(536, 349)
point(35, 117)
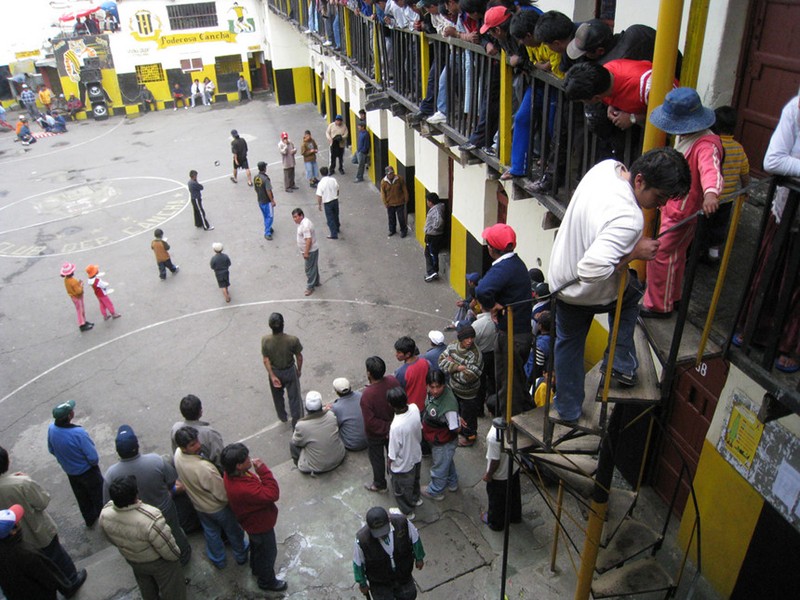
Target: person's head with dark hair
point(587, 82)
point(726, 120)
point(397, 399)
point(276, 322)
point(435, 376)
point(376, 368)
point(191, 407)
point(523, 27)
point(536, 275)
point(474, 8)
point(323, 171)
point(298, 212)
point(545, 321)
point(5, 462)
point(593, 39)
point(406, 347)
point(496, 22)
point(123, 491)
point(186, 439)
point(658, 175)
point(233, 456)
point(192, 174)
point(555, 29)
point(432, 198)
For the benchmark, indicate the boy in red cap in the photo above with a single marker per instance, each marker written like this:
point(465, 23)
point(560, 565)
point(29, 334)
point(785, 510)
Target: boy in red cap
point(101, 290)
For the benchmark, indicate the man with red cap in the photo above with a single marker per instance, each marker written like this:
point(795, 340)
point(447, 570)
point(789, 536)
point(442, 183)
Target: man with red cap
point(506, 286)
point(287, 150)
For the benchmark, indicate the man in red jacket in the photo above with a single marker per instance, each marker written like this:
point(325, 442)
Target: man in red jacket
point(378, 415)
point(252, 498)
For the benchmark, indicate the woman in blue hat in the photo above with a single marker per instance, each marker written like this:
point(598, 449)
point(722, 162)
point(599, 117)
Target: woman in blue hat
point(684, 116)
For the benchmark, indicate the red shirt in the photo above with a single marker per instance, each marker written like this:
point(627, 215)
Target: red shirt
point(252, 499)
point(630, 90)
point(377, 412)
point(412, 377)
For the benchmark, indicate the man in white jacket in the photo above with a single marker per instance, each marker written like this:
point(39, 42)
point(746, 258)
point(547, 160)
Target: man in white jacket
point(144, 539)
point(600, 234)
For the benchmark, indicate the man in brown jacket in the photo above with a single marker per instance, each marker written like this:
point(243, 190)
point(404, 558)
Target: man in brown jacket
point(395, 196)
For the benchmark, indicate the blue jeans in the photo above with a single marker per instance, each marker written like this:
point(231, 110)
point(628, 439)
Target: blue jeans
point(572, 326)
point(313, 16)
point(362, 165)
point(337, 32)
point(443, 469)
point(521, 135)
point(267, 211)
point(332, 217)
point(312, 170)
point(213, 526)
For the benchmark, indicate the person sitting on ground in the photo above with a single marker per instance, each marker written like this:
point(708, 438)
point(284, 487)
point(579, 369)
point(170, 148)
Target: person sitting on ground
point(316, 446)
point(24, 132)
point(347, 408)
point(46, 122)
point(74, 106)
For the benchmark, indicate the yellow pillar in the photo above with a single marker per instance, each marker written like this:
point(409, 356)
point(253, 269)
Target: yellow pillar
point(665, 57)
point(348, 47)
point(424, 62)
point(695, 37)
point(504, 124)
point(376, 51)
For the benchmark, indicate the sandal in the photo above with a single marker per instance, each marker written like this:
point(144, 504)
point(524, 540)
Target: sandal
point(371, 487)
point(508, 175)
point(786, 364)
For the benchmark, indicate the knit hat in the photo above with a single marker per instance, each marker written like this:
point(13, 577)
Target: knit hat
point(9, 518)
point(127, 443)
point(500, 236)
point(92, 270)
point(313, 401)
point(67, 269)
point(63, 409)
point(342, 385)
point(465, 332)
point(217, 247)
point(378, 522)
point(436, 337)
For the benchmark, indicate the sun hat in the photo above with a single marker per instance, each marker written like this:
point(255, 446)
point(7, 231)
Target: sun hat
point(682, 113)
point(67, 269)
point(494, 17)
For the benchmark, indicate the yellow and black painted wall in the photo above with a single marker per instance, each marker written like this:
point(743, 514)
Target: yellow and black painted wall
point(294, 86)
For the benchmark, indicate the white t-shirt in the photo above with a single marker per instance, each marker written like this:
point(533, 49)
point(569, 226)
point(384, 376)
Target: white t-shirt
point(328, 188)
point(602, 224)
point(494, 452)
point(405, 437)
point(306, 230)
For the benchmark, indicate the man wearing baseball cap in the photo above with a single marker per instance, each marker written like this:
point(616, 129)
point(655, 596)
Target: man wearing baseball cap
point(507, 284)
point(75, 452)
point(347, 408)
point(386, 551)
point(316, 446)
point(24, 572)
point(287, 150)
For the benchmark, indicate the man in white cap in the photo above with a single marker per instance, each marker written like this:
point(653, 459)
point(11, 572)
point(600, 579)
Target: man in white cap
point(347, 408)
point(75, 452)
point(316, 446)
point(435, 351)
point(386, 550)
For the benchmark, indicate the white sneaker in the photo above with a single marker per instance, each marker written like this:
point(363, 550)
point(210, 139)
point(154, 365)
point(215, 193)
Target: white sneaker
point(185, 108)
point(419, 502)
point(437, 117)
point(327, 43)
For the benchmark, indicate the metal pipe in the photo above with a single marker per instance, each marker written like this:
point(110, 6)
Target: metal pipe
point(556, 533)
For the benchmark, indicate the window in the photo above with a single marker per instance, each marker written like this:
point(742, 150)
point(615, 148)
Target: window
point(192, 16)
point(229, 64)
point(191, 64)
point(149, 73)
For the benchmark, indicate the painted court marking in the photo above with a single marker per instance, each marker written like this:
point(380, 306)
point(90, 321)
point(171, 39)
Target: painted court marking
point(205, 312)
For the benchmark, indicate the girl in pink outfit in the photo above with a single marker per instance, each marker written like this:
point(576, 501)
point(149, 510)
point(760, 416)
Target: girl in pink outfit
point(683, 114)
point(75, 291)
point(101, 290)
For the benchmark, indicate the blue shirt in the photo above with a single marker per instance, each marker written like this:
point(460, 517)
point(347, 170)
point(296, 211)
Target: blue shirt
point(432, 356)
point(363, 142)
point(507, 282)
point(73, 448)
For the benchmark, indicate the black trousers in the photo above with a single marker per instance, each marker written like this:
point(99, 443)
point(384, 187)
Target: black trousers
point(88, 490)
point(375, 449)
point(496, 491)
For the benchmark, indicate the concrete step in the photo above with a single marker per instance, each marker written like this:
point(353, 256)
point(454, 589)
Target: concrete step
point(638, 577)
point(632, 538)
point(647, 390)
point(660, 331)
point(580, 464)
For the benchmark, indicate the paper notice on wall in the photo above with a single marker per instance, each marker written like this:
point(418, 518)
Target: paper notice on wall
point(743, 434)
point(787, 484)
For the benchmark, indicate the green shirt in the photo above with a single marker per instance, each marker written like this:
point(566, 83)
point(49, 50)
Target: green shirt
point(280, 349)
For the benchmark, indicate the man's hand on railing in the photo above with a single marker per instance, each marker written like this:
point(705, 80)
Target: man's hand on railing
point(472, 38)
point(450, 31)
point(710, 203)
point(645, 249)
point(514, 60)
point(544, 66)
point(491, 49)
point(620, 118)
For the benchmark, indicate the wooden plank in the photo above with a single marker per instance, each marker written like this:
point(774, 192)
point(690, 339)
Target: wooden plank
point(638, 577)
point(647, 390)
point(631, 539)
point(659, 332)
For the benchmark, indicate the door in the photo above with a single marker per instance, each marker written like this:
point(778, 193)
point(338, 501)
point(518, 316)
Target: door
point(769, 70)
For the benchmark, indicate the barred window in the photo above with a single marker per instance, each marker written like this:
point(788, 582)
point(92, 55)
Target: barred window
point(192, 16)
point(191, 64)
point(228, 64)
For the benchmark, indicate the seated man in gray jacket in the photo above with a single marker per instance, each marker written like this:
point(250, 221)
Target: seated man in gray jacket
point(316, 446)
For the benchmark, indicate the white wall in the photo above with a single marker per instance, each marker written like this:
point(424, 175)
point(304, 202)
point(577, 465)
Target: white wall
point(287, 49)
point(431, 165)
point(475, 204)
point(534, 244)
point(401, 141)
